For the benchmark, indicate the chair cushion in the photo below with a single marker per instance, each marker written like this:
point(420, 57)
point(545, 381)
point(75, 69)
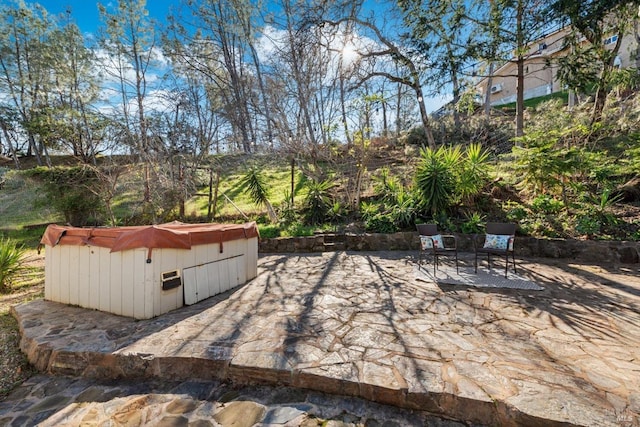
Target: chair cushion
point(498, 241)
point(428, 242)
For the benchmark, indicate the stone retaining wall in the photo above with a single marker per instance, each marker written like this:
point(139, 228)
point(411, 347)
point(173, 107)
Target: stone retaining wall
point(583, 250)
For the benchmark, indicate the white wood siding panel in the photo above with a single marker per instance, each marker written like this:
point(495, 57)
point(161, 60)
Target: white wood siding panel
point(74, 274)
point(115, 286)
point(94, 278)
point(252, 257)
point(139, 284)
point(213, 271)
point(65, 255)
point(127, 274)
point(84, 278)
point(190, 283)
point(202, 280)
point(52, 273)
point(104, 279)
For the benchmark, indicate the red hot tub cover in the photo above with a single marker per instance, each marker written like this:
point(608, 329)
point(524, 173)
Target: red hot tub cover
point(175, 235)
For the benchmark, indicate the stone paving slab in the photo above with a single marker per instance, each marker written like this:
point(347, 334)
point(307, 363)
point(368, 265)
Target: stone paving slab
point(366, 325)
point(49, 401)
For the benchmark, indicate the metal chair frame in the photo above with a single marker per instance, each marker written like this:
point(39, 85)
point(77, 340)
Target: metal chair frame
point(501, 228)
point(430, 230)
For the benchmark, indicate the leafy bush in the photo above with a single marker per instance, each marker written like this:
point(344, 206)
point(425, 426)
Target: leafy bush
point(380, 223)
point(298, 229)
point(474, 223)
point(514, 211)
point(546, 204)
point(11, 256)
point(269, 231)
point(587, 225)
point(376, 220)
point(72, 191)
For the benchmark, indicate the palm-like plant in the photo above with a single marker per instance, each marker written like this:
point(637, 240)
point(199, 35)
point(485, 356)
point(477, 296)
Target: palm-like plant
point(473, 174)
point(11, 261)
point(435, 179)
point(257, 187)
point(318, 201)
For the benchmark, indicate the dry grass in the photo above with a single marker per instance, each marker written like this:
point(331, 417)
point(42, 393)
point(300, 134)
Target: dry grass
point(14, 367)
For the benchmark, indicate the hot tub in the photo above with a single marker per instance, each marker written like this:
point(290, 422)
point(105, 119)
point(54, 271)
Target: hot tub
point(146, 271)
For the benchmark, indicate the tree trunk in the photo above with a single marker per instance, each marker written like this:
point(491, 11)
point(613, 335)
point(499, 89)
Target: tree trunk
point(11, 146)
point(520, 85)
point(487, 92)
point(425, 119)
point(520, 98)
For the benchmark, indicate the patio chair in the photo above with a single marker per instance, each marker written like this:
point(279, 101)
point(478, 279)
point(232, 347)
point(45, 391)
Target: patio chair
point(498, 240)
point(436, 244)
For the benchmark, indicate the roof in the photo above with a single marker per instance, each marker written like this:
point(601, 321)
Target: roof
point(175, 235)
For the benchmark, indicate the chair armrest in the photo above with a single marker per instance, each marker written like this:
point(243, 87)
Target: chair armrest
point(476, 239)
point(451, 237)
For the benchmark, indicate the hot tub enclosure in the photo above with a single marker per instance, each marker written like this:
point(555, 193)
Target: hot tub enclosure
point(145, 271)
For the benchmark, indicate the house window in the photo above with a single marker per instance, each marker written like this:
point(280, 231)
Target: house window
point(542, 46)
point(610, 40)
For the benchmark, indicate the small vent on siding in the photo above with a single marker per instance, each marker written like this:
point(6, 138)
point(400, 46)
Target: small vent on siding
point(171, 280)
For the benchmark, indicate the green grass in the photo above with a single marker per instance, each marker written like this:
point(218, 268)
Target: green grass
point(534, 102)
point(29, 236)
point(21, 204)
point(279, 182)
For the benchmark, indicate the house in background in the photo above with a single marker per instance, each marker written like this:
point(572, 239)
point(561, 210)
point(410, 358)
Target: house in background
point(541, 68)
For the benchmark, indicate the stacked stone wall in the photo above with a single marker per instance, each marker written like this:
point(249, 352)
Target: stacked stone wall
point(625, 252)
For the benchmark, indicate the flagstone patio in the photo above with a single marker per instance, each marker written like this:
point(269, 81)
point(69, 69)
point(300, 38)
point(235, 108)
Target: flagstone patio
point(372, 325)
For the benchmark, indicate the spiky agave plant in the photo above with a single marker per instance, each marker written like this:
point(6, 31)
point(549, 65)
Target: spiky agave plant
point(11, 261)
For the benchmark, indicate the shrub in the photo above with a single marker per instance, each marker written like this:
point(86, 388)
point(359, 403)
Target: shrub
point(514, 211)
point(587, 225)
point(72, 191)
point(546, 204)
point(473, 223)
point(318, 201)
point(11, 257)
point(450, 175)
point(269, 231)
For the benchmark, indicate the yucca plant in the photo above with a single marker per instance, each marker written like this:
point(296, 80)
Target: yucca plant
point(11, 261)
point(257, 187)
point(435, 179)
point(474, 172)
point(318, 201)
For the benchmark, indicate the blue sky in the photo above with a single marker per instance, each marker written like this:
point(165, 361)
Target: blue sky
point(85, 13)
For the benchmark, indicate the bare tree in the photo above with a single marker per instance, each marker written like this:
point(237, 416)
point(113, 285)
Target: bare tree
point(410, 72)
